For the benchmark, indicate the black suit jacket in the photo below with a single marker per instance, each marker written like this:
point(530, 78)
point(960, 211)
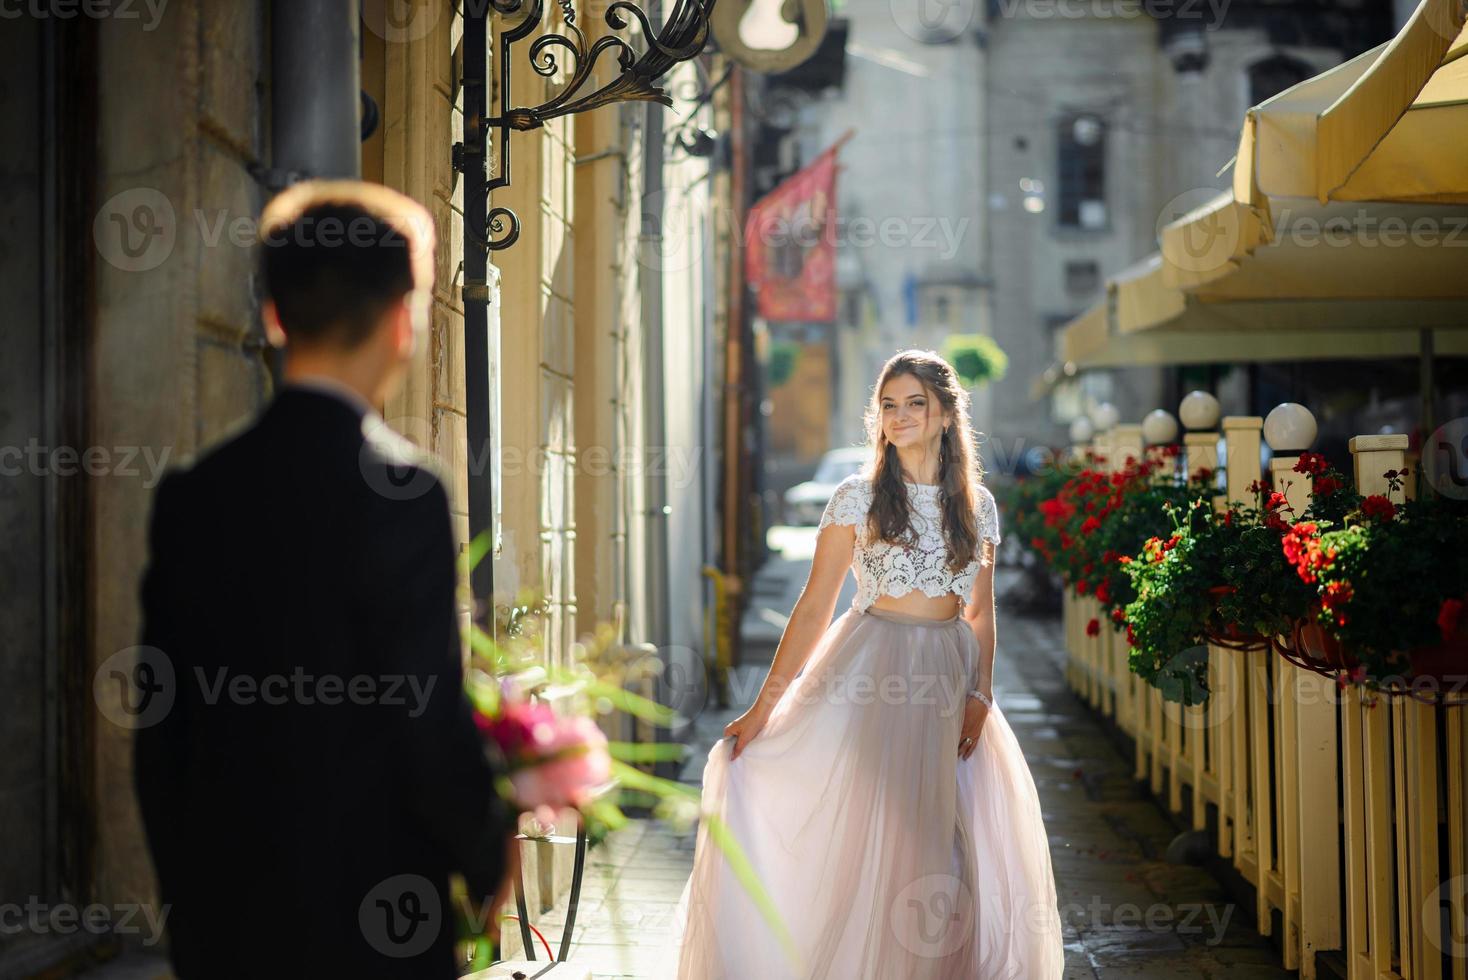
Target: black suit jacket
point(315, 775)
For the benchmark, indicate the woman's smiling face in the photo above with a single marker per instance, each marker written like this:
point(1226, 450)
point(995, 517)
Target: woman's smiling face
point(910, 416)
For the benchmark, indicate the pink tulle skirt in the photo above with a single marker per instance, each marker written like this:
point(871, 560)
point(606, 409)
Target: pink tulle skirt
point(884, 855)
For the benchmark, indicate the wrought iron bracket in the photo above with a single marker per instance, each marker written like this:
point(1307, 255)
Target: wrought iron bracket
point(681, 37)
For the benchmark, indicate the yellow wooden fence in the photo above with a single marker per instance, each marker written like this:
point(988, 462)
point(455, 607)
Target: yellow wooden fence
point(1346, 812)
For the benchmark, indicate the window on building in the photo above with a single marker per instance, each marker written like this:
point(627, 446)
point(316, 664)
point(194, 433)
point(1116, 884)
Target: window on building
point(1082, 278)
point(1273, 75)
point(1082, 171)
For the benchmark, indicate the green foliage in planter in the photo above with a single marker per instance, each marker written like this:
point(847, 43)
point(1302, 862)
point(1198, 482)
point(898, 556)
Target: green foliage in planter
point(1264, 596)
point(783, 355)
point(975, 357)
point(1174, 580)
point(1098, 517)
point(1140, 513)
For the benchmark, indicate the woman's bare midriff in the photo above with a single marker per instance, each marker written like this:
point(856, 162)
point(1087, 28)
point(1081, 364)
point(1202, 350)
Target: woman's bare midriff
point(918, 603)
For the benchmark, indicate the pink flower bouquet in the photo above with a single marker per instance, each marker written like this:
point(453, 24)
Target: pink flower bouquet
point(553, 762)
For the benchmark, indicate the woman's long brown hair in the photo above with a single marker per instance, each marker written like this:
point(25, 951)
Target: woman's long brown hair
point(959, 470)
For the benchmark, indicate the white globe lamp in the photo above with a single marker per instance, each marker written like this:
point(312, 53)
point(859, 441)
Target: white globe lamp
point(1289, 428)
point(1105, 416)
point(1159, 427)
point(1081, 429)
point(1199, 410)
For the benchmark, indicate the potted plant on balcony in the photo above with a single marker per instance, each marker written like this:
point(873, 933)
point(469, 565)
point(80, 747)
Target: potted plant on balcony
point(1177, 583)
point(1390, 585)
point(1266, 597)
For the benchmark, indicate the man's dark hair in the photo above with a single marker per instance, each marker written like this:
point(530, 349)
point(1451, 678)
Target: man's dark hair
point(336, 254)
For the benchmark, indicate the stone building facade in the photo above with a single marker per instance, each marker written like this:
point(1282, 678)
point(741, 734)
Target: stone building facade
point(1105, 121)
point(129, 219)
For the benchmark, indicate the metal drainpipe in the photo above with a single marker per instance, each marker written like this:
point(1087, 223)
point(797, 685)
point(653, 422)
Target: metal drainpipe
point(315, 89)
point(650, 279)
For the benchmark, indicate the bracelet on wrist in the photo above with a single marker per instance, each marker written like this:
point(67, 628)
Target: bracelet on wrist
point(986, 699)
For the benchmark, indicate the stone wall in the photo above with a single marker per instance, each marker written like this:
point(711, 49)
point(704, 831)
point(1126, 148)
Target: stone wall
point(177, 354)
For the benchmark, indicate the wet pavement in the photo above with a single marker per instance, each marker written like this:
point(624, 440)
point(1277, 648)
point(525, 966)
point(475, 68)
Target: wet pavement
point(1128, 912)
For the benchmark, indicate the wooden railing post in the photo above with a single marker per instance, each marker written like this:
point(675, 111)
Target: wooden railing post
point(1413, 734)
point(1307, 824)
point(1185, 753)
point(1126, 445)
point(1227, 717)
point(1126, 441)
point(1241, 434)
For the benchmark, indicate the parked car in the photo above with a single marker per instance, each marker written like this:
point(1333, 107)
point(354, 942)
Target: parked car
point(805, 502)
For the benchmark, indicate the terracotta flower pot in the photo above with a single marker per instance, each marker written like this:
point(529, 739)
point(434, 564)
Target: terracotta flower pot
point(1315, 643)
point(1230, 637)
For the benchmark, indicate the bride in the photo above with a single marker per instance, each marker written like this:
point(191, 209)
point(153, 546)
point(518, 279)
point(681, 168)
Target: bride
point(874, 788)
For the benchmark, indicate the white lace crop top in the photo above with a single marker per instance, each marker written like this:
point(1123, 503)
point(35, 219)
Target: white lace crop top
point(895, 570)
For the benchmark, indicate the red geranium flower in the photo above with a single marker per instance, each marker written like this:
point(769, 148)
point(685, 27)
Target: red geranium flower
point(1326, 485)
point(1312, 463)
point(1117, 615)
point(1378, 507)
point(1449, 614)
point(1093, 628)
point(1336, 597)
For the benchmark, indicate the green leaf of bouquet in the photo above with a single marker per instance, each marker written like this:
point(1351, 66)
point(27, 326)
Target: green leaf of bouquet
point(633, 778)
point(633, 704)
point(481, 545)
point(647, 751)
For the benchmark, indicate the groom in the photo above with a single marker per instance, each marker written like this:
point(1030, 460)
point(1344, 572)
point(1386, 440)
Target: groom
point(316, 775)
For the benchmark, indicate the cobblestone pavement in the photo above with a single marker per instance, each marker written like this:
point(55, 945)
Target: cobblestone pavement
point(1128, 912)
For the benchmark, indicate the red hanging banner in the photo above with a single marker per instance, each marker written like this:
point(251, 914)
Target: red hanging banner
point(790, 245)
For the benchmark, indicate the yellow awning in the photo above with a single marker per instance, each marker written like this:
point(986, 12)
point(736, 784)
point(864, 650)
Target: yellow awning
point(1084, 337)
point(1143, 320)
point(1422, 158)
point(1390, 124)
point(1211, 240)
point(1345, 251)
point(1211, 347)
point(1268, 330)
point(1278, 268)
point(1143, 296)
